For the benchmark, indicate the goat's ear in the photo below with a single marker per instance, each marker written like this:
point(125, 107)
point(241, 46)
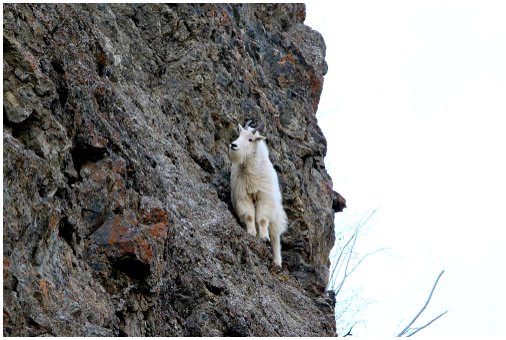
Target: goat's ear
point(239, 128)
point(258, 138)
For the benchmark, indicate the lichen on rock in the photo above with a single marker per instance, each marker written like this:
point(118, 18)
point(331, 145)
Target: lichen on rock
point(117, 214)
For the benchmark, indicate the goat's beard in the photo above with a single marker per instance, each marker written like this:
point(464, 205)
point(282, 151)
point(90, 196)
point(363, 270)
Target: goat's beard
point(236, 157)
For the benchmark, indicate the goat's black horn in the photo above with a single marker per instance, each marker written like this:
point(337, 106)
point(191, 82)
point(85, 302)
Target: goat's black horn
point(246, 126)
point(259, 127)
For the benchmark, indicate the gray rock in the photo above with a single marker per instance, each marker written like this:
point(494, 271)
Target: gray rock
point(117, 213)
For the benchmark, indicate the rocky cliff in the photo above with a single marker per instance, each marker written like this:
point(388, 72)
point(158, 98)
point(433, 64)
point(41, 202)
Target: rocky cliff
point(117, 217)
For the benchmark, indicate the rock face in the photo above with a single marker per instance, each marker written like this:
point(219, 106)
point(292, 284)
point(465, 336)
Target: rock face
point(117, 215)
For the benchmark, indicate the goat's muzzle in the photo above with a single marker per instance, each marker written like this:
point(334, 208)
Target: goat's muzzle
point(233, 146)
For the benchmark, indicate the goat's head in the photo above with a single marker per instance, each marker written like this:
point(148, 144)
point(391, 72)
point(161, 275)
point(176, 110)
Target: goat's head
point(245, 146)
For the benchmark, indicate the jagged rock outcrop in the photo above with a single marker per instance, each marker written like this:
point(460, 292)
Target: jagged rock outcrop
point(117, 215)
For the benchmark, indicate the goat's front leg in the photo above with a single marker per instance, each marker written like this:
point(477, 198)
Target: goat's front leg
point(263, 212)
point(250, 223)
point(263, 223)
point(246, 212)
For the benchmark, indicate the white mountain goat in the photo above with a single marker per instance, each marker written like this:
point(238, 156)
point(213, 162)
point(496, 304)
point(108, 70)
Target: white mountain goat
point(255, 188)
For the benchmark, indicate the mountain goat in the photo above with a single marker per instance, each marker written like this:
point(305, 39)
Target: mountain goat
point(255, 188)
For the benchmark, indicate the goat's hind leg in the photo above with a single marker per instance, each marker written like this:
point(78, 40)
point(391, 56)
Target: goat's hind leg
point(275, 244)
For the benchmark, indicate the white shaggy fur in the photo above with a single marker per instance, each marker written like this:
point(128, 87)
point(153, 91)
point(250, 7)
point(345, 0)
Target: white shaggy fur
point(255, 189)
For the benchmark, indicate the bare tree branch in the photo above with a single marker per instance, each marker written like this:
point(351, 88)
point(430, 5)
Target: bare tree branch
point(345, 261)
point(346, 254)
point(346, 273)
point(336, 268)
point(403, 332)
point(428, 324)
point(349, 332)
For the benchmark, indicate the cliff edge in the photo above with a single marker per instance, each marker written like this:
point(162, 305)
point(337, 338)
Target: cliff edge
point(117, 217)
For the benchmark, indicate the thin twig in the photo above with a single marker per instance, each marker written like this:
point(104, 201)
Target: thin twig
point(423, 308)
point(336, 268)
point(346, 274)
point(349, 332)
point(428, 324)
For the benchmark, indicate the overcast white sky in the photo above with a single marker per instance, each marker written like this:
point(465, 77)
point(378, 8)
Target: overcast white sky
point(414, 111)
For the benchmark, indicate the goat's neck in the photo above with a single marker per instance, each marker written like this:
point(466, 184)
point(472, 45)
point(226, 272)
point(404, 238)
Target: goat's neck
point(252, 165)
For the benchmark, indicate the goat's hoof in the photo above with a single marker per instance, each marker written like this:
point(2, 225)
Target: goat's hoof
point(263, 235)
point(252, 233)
point(275, 267)
point(264, 238)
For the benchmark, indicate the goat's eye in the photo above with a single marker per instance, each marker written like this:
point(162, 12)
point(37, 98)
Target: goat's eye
point(251, 139)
